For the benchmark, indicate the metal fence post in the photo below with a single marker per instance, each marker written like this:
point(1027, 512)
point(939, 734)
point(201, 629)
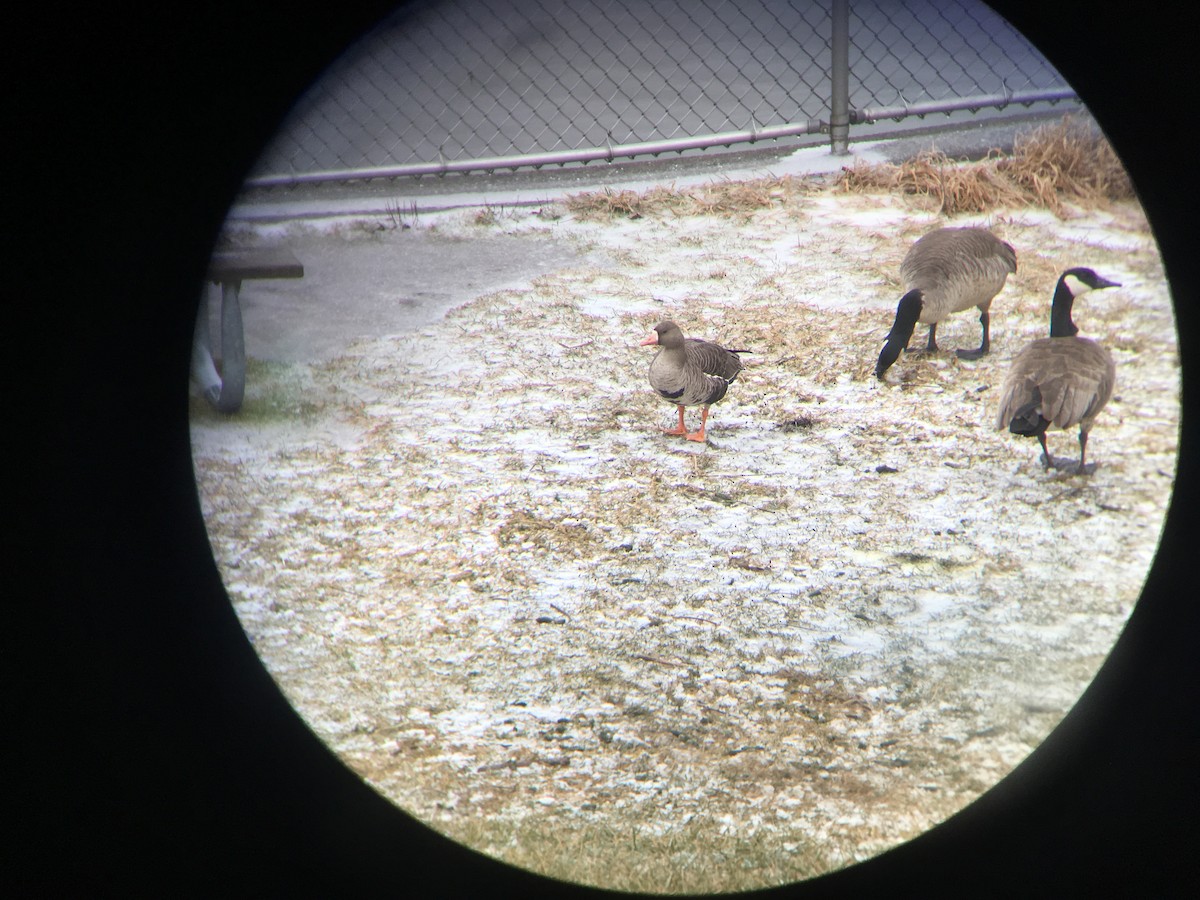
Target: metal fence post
point(839, 112)
point(402, 105)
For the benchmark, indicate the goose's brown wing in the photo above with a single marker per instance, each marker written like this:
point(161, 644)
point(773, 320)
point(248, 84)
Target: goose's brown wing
point(957, 268)
point(1071, 380)
point(713, 359)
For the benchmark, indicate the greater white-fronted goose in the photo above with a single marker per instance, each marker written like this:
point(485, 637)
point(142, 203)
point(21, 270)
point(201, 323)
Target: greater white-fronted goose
point(946, 271)
point(690, 372)
point(1060, 381)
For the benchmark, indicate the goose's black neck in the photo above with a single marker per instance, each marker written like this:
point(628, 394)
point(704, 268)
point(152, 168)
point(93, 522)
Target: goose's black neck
point(1061, 323)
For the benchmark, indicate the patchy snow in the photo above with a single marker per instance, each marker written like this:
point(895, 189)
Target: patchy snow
point(486, 579)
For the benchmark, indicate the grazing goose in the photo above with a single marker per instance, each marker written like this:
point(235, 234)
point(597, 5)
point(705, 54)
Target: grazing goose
point(1060, 381)
point(946, 271)
point(690, 372)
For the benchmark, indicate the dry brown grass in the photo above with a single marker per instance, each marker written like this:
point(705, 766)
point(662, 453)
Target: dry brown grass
point(493, 539)
point(1067, 161)
point(705, 856)
point(1050, 166)
point(716, 198)
point(948, 186)
point(1053, 165)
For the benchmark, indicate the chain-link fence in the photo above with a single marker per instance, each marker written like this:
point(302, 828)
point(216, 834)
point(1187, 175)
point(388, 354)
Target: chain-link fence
point(467, 84)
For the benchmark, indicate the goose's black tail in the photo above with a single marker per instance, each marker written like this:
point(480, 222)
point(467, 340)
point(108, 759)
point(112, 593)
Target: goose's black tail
point(1029, 421)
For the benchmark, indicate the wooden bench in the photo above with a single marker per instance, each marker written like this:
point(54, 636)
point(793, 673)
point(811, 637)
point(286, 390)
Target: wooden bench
point(229, 268)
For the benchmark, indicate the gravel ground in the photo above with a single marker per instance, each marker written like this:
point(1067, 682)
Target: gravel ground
point(482, 575)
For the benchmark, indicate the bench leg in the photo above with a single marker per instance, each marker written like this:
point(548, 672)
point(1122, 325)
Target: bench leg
point(204, 372)
point(233, 349)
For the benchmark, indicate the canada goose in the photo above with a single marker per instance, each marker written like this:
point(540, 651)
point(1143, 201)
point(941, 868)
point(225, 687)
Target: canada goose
point(946, 271)
point(690, 372)
point(1060, 381)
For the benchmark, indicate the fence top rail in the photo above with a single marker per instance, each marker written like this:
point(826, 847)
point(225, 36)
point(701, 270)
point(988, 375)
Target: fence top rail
point(873, 114)
point(537, 160)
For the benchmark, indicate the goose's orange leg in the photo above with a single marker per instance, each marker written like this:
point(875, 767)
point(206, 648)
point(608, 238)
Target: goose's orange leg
point(678, 429)
point(700, 435)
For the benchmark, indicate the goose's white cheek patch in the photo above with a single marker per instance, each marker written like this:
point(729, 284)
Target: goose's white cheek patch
point(1075, 286)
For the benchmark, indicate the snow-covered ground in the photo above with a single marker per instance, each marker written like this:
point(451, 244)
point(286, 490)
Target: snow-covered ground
point(500, 594)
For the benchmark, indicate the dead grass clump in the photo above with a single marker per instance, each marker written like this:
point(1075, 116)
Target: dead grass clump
point(958, 188)
point(867, 178)
point(744, 197)
point(822, 700)
point(797, 423)
point(951, 187)
point(526, 528)
point(716, 198)
point(606, 204)
point(1069, 160)
point(1049, 166)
